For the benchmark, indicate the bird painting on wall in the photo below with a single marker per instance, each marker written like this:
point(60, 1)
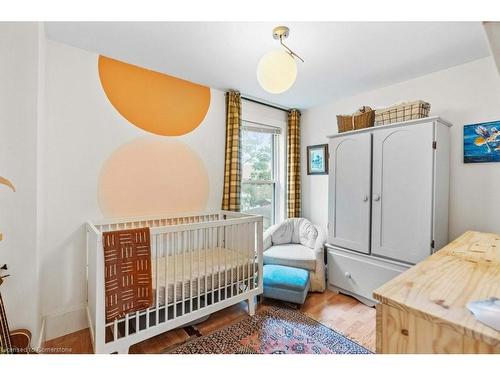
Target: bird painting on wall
point(482, 142)
point(487, 137)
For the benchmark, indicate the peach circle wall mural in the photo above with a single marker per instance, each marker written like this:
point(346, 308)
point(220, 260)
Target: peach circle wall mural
point(155, 102)
point(152, 176)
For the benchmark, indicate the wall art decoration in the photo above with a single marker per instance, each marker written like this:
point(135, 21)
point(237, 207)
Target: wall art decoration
point(482, 142)
point(317, 159)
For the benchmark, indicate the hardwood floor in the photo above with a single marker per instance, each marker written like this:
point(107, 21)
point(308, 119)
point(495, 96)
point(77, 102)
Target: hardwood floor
point(75, 343)
point(336, 311)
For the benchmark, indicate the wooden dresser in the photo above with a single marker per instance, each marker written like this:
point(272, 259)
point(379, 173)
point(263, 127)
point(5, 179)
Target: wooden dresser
point(423, 310)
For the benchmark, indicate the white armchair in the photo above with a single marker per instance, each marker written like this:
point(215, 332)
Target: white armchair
point(297, 243)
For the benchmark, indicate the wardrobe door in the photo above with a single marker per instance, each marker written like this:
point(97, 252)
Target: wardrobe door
point(402, 192)
point(349, 192)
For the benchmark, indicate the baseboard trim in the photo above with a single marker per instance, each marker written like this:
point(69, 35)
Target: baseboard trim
point(91, 329)
point(65, 322)
point(41, 335)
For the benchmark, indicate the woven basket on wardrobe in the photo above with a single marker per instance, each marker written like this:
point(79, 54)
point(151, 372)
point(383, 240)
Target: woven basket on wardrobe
point(355, 122)
point(402, 112)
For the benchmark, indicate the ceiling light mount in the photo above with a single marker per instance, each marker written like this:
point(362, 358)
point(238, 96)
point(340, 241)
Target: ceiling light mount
point(281, 32)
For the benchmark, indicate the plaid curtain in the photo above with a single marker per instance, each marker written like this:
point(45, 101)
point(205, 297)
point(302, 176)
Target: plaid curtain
point(232, 168)
point(293, 159)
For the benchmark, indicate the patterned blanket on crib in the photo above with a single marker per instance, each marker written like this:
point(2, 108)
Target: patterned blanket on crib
point(127, 272)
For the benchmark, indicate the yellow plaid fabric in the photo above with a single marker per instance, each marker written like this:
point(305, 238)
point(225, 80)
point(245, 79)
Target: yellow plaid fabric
point(293, 186)
point(232, 168)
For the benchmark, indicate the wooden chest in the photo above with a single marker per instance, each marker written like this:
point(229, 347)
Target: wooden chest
point(423, 310)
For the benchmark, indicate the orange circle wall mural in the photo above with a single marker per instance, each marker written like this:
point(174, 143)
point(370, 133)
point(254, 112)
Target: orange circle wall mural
point(155, 102)
point(152, 176)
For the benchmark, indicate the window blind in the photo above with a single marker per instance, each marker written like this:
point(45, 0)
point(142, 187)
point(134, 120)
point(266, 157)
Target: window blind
point(258, 127)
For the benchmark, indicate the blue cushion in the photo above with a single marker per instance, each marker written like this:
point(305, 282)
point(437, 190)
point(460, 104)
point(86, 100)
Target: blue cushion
point(286, 294)
point(284, 277)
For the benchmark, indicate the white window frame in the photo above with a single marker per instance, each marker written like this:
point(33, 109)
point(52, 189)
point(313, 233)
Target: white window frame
point(275, 167)
point(255, 114)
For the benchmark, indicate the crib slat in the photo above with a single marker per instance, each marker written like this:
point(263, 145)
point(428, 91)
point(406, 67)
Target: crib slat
point(183, 249)
point(252, 246)
point(241, 249)
point(212, 266)
point(190, 248)
point(225, 261)
point(167, 256)
point(241, 257)
point(217, 256)
point(198, 269)
point(219, 262)
point(255, 258)
point(248, 254)
point(115, 330)
point(197, 256)
point(205, 258)
point(174, 235)
point(237, 256)
point(231, 246)
point(157, 240)
point(126, 325)
point(234, 257)
point(244, 256)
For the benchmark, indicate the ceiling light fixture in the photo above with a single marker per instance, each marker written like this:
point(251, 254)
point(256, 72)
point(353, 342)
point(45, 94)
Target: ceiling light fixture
point(277, 69)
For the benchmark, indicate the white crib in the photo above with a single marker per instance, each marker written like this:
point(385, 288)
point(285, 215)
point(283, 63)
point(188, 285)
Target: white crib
point(201, 263)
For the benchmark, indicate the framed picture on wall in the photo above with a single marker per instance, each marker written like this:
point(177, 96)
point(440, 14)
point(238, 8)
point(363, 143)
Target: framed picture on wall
point(317, 159)
point(482, 142)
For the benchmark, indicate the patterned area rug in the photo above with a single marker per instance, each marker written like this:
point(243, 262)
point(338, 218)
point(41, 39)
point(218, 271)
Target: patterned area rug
point(273, 330)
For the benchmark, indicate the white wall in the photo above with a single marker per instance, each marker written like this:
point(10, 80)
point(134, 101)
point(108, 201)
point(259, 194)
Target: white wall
point(464, 94)
point(81, 130)
point(19, 89)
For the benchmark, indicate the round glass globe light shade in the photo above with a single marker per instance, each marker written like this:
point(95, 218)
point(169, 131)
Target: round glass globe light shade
point(276, 71)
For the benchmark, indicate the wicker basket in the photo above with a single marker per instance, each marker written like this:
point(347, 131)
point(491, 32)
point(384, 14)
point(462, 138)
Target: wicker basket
point(402, 112)
point(355, 122)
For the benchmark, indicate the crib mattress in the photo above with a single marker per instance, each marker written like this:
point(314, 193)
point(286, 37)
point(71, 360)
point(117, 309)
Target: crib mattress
point(192, 274)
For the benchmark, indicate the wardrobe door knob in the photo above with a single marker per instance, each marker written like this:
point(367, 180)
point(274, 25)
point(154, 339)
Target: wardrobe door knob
point(365, 198)
point(347, 275)
point(376, 197)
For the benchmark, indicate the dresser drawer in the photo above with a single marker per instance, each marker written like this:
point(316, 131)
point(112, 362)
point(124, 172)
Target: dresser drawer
point(358, 274)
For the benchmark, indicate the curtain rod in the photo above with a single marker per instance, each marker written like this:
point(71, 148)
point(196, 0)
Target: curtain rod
point(266, 104)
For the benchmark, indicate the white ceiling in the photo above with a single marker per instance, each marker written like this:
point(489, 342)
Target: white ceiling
point(493, 34)
point(341, 58)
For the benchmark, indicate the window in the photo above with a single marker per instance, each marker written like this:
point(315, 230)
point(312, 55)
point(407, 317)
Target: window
point(259, 165)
